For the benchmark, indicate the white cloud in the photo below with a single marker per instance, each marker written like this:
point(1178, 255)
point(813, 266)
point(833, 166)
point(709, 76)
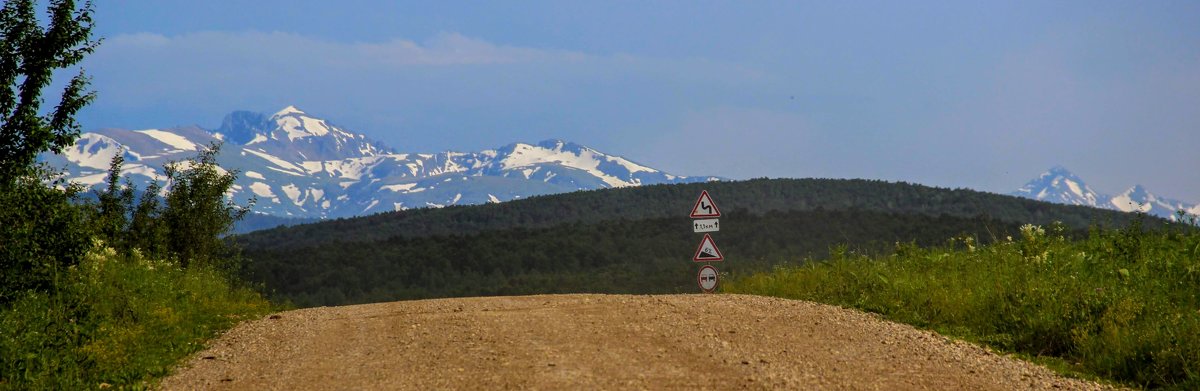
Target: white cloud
point(443, 49)
point(138, 39)
point(454, 48)
point(392, 85)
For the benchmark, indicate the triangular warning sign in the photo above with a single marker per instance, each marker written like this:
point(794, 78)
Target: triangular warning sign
point(707, 251)
point(705, 207)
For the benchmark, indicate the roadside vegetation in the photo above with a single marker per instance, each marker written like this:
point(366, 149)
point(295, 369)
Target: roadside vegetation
point(1120, 304)
point(117, 320)
point(110, 292)
point(153, 281)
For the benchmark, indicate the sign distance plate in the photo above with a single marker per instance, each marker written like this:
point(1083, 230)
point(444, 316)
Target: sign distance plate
point(706, 225)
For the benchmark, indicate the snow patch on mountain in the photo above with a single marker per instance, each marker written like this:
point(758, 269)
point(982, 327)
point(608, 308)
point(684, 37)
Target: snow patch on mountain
point(288, 110)
point(262, 190)
point(174, 140)
point(292, 192)
point(93, 151)
point(401, 188)
point(280, 164)
point(612, 170)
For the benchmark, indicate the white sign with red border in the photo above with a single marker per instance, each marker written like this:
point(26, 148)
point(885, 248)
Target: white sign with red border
point(705, 207)
point(707, 251)
point(707, 278)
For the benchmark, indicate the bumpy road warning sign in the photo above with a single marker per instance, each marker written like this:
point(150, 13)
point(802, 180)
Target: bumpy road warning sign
point(707, 251)
point(707, 278)
point(705, 207)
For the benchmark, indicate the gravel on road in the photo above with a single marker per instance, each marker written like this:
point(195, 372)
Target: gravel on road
point(586, 341)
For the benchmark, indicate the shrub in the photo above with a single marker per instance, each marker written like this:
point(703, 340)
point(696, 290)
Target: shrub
point(116, 319)
point(42, 233)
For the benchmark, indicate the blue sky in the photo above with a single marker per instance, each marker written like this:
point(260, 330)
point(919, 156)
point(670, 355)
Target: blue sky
point(983, 95)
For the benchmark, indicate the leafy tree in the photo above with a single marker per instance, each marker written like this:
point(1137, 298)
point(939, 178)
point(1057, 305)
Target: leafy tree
point(41, 231)
point(188, 224)
point(113, 206)
point(146, 229)
point(29, 54)
point(197, 213)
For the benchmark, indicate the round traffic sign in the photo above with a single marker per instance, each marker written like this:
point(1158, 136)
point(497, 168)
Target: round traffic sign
point(707, 278)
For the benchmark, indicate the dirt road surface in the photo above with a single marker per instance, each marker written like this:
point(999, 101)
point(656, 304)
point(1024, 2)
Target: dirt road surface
point(566, 342)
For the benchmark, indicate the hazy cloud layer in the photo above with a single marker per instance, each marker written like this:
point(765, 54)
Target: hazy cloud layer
point(472, 92)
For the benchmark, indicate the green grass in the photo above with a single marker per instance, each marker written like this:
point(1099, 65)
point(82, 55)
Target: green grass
point(121, 321)
point(1122, 305)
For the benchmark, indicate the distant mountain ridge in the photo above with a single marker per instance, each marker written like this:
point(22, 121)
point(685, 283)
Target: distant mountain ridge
point(298, 165)
point(1059, 185)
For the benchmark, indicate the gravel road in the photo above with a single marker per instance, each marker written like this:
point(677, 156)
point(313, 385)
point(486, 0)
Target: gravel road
point(560, 342)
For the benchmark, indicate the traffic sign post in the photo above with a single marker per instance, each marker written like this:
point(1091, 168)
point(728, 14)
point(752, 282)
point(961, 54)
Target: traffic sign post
point(705, 214)
point(707, 278)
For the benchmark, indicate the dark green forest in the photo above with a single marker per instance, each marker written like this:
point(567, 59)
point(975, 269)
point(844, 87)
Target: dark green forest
point(636, 240)
point(756, 196)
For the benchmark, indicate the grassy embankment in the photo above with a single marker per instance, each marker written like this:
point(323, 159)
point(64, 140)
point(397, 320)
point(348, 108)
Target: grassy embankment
point(118, 321)
point(1122, 305)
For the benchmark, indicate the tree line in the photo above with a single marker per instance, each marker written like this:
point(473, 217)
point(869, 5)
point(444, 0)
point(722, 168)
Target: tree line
point(758, 196)
point(622, 256)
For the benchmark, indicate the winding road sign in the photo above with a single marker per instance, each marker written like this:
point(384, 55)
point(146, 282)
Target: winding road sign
point(705, 207)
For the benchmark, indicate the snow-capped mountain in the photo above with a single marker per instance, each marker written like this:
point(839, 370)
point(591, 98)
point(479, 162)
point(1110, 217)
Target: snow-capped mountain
point(1138, 199)
point(297, 165)
point(294, 135)
point(1061, 186)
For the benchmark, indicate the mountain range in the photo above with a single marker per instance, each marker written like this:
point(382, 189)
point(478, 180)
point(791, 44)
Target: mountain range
point(298, 165)
point(1061, 186)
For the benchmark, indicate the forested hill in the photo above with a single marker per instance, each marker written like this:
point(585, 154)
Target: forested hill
point(621, 256)
point(632, 240)
point(756, 197)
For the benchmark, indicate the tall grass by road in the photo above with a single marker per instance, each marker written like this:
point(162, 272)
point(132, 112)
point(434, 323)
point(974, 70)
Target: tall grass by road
point(1119, 304)
point(116, 320)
